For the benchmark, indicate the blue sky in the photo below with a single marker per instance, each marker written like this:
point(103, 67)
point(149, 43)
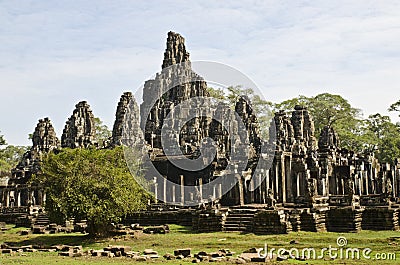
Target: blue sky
point(56, 53)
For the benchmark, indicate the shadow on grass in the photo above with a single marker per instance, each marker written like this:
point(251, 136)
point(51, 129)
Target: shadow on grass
point(46, 241)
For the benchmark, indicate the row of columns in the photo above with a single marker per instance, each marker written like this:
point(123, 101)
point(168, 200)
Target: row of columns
point(22, 197)
point(175, 194)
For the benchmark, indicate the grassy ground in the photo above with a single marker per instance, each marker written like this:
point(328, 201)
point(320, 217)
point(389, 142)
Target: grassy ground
point(180, 237)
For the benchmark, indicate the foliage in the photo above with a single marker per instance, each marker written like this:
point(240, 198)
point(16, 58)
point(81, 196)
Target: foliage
point(331, 110)
point(90, 184)
point(382, 137)
point(2, 140)
point(395, 107)
point(377, 134)
point(10, 157)
point(261, 107)
point(102, 131)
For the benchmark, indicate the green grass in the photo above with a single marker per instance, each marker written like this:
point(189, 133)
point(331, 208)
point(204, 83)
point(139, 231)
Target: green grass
point(181, 237)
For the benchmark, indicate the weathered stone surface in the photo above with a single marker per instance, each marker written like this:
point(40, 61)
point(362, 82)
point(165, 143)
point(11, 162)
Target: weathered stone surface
point(175, 52)
point(126, 130)
point(184, 252)
point(79, 130)
point(44, 137)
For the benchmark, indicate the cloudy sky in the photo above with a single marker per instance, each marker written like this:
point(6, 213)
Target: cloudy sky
point(56, 53)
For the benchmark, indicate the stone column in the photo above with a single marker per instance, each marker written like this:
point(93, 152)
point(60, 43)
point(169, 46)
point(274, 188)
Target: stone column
point(7, 202)
point(252, 191)
point(182, 190)
point(240, 185)
point(165, 189)
point(18, 198)
point(201, 189)
point(155, 189)
point(214, 192)
point(173, 193)
point(260, 189)
point(220, 190)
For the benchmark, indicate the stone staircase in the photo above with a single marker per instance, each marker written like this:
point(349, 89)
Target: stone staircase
point(240, 219)
point(42, 220)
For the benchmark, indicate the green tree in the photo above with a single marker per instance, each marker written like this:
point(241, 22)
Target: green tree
point(331, 110)
point(261, 107)
point(395, 107)
point(2, 140)
point(90, 184)
point(102, 131)
point(382, 137)
point(10, 156)
point(217, 93)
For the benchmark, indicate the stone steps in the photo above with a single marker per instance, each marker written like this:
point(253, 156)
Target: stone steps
point(42, 220)
point(240, 219)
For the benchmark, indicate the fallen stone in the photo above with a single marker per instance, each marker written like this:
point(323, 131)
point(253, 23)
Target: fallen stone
point(184, 252)
point(150, 252)
point(139, 258)
point(97, 253)
point(6, 251)
point(156, 230)
point(252, 250)
point(169, 256)
point(24, 232)
point(239, 261)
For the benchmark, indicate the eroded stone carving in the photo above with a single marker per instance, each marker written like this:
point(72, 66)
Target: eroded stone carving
point(79, 130)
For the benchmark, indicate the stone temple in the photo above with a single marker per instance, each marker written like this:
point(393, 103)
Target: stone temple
point(311, 184)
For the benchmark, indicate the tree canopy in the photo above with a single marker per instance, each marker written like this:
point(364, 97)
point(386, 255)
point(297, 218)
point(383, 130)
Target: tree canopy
point(90, 184)
point(102, 131)
point(10, 155)
point(375, 134)
point(2, 140)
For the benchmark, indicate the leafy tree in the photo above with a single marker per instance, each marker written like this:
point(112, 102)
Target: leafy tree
point(382, 137)
point(10, 156)
point(102, 131)
point(395, 106)
point(90, 184)
point(331, 110)
point(217, 93)
point(2, 140)
point(261, 107)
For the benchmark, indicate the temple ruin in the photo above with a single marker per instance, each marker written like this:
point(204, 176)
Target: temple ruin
point(312, 185)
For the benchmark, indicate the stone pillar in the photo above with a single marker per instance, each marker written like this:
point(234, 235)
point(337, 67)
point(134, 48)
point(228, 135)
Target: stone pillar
point(155, 189)
point(260, 189)
point(283, 181)
point(240, 185)
point(201, 188)
point(394, 183)
point(214, 192)
point(7, 202)
point(182, 190)
point(17, 198)
point(165, 189)
point(251, 191)
point(220, 190)
point(173, 193)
